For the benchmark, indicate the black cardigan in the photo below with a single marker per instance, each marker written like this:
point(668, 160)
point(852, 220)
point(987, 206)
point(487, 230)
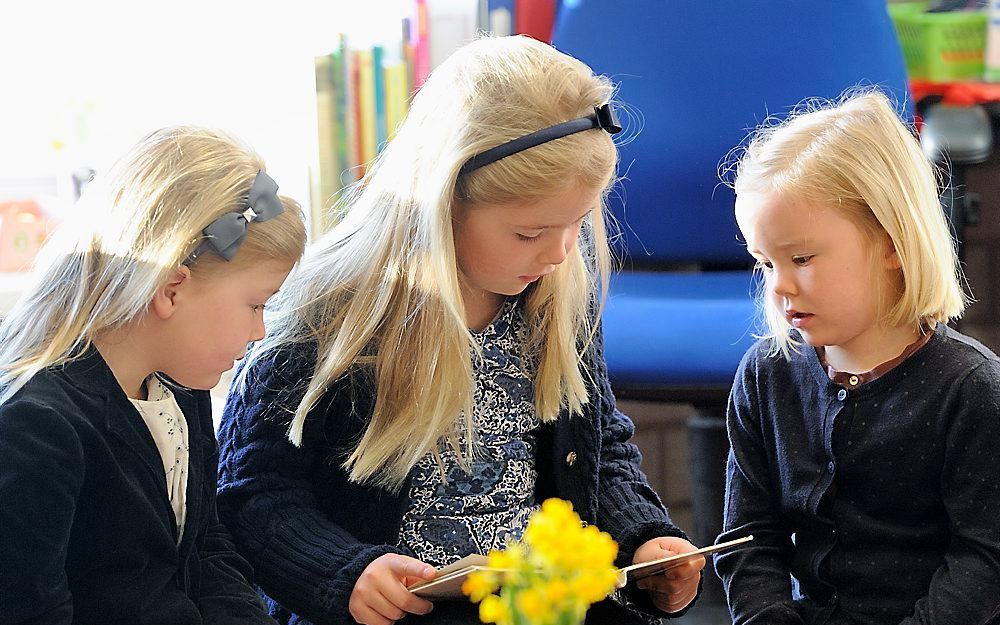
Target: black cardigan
point(87, 533)
point(882, 501)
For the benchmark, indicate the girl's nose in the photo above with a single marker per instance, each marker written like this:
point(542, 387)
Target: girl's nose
point(257, 331)
point(559, 247)
point(782, 282)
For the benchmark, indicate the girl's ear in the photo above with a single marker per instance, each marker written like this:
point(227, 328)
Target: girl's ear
point(892, 260)
point(165, 298)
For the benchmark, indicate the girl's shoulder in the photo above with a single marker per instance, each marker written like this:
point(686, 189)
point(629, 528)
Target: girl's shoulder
point(281, 365)
point(279, 378)
point(766, 355)
point(769, 370)
point(955, 344)
point(58, 401)
point(81, 380)
point(953, 355)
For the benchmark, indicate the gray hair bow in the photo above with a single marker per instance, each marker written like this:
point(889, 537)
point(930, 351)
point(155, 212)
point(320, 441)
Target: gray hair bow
point(225, 235)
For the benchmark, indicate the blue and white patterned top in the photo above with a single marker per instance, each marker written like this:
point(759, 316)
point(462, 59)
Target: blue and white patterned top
point(449, 518)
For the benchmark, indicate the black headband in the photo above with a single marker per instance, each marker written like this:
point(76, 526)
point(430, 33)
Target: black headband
point(603, 117)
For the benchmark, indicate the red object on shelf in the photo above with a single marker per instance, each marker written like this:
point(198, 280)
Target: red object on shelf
point(535, 18)
point(956, 93)
point(23, 230)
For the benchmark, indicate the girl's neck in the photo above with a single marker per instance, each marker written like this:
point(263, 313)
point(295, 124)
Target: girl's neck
point(874, 347)
point(480, 307)
point(121, 349)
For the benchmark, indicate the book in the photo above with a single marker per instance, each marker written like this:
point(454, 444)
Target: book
point(448, 582)
point(328, 177)
point(420, 41)
point(367, 122)
point(378, 80)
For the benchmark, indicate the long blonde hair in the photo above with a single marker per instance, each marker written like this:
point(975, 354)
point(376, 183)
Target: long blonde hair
point(382, 288)
point(858, 156)
point(131, 230)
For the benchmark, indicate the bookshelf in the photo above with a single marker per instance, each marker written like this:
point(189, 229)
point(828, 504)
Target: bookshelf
point(363, 89)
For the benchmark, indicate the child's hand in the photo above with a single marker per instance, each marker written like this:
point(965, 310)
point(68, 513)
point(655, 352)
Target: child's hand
point(674, 588)
point(380, 596)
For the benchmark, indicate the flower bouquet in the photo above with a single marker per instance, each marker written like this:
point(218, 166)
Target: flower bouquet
point(558, 569)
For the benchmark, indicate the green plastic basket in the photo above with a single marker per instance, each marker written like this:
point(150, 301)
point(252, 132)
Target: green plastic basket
point(940, 47)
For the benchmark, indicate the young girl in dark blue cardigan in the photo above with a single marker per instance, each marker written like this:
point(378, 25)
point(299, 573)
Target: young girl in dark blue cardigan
point(437, 367)
point(864, 430)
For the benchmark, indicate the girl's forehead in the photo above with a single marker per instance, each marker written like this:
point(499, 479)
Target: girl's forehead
point(559, 209)
point(783, 208)
point(784, 221)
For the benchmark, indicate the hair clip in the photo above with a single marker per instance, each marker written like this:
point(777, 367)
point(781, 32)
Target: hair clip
point(603, 117)
point(225, 235)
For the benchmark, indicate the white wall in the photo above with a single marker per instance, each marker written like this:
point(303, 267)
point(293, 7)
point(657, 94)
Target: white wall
point(92, 77)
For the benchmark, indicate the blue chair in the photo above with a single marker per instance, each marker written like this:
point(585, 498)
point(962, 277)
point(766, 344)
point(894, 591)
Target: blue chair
point(701, 75)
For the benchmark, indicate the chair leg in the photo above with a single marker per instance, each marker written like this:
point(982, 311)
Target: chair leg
point(708, 447)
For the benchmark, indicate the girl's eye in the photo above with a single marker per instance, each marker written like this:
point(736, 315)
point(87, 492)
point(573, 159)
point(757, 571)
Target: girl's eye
point(802, 260)
point(764, 265)
point(257, 307)
point(528, 237)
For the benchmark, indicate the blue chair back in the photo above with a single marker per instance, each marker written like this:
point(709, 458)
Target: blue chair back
point(701, 75)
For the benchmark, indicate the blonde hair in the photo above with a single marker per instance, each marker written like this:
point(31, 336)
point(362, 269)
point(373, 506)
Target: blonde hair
point(131, 230)
point(858, 156)
point(382, 288)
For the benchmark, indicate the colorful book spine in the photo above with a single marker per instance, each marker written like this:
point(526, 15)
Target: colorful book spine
point(326, 181)
point(421, 44)
point(366, 106)
point(409, 54)
point(396, 95)
point(363, 94)
point(378, 87)
point(356, 128)
point(339, 59)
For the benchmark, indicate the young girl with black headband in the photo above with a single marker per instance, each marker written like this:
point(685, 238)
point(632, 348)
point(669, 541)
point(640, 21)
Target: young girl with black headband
point(436, 370)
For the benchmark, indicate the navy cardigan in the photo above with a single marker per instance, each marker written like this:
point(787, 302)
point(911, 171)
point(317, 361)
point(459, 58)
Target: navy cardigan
point(882, 501)
point(309, 532)
point(87, 533)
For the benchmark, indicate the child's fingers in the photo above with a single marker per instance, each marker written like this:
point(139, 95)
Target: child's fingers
point(691, 566)
point(679, 600)
point(410, 569)
point(380, 596)
point(677, 577)
point(406, 601)
point(686, 571)
point(378, 613)
point(386, 604)
point(674, 578)
point(674, 597)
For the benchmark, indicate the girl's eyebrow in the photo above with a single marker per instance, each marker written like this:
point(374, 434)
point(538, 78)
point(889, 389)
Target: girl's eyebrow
point(588, 211)
point(790, 244)
point(786, 245)
point(782, 246)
